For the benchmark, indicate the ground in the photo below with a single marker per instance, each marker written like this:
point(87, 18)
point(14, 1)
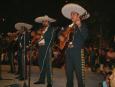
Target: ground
point(59, 80)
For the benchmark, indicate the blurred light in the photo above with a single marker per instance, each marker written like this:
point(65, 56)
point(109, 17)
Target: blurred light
point(2, 19)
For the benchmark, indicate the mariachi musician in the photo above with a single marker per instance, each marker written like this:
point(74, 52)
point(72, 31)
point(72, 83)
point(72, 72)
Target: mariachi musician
point(11, 48)
point(45, 39)
point(23, 40)
point(73, 39)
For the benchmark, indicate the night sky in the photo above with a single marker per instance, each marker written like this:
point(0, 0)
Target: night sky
point(13, 11)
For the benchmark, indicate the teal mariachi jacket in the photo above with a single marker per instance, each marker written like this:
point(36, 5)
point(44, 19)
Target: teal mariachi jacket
point(49, 36)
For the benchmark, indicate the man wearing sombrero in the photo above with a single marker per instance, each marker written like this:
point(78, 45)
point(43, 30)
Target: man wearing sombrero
point(76, 14)
point(45, 43)
point(23, 39)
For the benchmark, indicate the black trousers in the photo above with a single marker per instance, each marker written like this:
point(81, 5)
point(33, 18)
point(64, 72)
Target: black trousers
point(74, 64)
point(21, 63)
point(11, 61)
point(45, 64)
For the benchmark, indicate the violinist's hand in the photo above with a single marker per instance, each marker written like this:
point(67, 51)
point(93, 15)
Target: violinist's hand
point(61, 38)
point(78, 23)
point(41, 44)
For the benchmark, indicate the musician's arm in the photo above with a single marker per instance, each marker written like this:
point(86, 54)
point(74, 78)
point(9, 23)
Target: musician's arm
point(83, 31)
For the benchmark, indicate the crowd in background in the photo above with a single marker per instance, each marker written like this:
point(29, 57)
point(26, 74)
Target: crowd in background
point(95, 58)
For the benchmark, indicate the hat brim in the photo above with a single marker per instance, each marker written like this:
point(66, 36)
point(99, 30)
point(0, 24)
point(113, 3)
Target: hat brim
point(43, 18)
point(19, 26)
point(71, 7)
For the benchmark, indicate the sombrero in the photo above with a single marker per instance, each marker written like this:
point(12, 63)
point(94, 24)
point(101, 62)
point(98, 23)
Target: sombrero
point(72, 7)
point(21, 25)
point(43, 18)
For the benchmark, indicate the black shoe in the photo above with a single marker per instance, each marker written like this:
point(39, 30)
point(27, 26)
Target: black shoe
point(39, 82)
point(49, 85)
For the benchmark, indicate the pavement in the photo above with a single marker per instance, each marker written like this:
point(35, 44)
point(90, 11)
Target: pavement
point(92, 79)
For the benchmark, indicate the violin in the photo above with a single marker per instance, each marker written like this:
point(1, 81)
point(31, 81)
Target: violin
point(37, 36)
point(64, 37)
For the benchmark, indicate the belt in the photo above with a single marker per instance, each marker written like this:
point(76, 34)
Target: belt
point(70, 46)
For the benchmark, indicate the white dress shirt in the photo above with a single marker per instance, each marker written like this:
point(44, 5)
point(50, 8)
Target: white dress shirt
point(42, 41)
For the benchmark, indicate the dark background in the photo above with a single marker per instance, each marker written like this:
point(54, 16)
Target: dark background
point(100, 24)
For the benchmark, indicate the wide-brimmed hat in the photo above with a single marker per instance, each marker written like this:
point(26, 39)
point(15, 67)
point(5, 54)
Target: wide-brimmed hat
point(21, 26)
point(43, 18)
point(72, 7)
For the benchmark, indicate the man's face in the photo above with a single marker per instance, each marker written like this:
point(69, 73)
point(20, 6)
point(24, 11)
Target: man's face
point(45, 23)
point(75, 16)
